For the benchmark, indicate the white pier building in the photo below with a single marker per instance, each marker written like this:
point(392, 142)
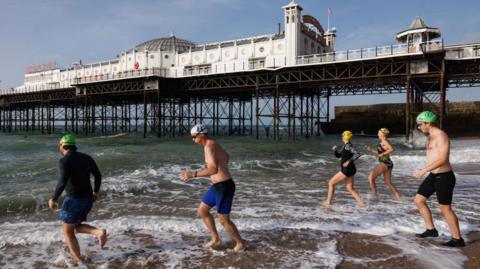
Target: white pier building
point(303, 42)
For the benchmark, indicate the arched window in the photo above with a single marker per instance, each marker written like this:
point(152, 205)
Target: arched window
point(287, 19)
point(293, 18)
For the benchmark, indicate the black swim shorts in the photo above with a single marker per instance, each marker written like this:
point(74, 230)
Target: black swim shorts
point(442, 184)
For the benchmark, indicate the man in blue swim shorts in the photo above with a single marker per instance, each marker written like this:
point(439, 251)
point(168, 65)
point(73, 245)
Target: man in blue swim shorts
point(75, 171)
point(220, 193)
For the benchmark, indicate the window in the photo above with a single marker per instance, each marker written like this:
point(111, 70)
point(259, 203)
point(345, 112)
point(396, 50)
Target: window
point(166, 56)
point(293, 18)
point(287, 19)
point(261, 49)
point(152, 56)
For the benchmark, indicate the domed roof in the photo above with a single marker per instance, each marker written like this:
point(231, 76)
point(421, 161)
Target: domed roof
point(166, 44)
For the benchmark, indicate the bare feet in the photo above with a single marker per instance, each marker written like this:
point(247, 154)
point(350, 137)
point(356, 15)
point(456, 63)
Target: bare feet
point(326, 203)
point(102, 238)
point(240, 247)
point(212, 243)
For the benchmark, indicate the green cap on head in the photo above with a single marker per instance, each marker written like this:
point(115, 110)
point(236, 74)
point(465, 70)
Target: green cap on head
point(426, 116)
point(67, 140)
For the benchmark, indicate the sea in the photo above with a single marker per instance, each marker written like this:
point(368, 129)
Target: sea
point(150, 215)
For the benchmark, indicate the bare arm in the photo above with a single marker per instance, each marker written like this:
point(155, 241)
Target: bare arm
point(212, 164)
point(443, 146)
point(211, 169)
point(388, 149)
point(371, 150)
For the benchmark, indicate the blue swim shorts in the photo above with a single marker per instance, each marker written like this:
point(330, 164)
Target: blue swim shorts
point(75, 210)
point(220, 195)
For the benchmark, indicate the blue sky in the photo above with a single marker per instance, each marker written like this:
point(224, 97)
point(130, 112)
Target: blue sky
point(64, 31)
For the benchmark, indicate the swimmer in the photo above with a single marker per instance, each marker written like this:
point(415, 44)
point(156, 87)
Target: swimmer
point(385, 165)
point(347, 155)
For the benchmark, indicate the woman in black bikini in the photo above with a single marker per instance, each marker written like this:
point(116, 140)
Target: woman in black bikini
point(385, 166)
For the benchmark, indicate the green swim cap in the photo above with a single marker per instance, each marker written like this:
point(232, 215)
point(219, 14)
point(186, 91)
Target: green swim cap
point(67, 140)
point(426, 116)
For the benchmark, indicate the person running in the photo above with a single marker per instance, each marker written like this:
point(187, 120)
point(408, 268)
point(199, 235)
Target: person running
point(440, 179)
point(385, 166)
point(220, 193)
point(347, 155)
point(75, 170)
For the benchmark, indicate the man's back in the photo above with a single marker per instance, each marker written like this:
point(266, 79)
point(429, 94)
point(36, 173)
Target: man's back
point(75, 170)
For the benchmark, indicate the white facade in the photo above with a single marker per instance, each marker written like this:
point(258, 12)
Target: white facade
point(173, 57)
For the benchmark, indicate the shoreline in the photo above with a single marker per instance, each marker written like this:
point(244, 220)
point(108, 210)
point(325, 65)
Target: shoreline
point(380, 255)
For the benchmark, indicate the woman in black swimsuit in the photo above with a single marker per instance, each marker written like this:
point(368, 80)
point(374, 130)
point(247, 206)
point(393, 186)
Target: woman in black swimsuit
point(385, 166)
point(348, 154)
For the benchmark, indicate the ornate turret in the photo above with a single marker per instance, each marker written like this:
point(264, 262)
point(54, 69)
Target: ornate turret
point(418, 33)
point(293, 15)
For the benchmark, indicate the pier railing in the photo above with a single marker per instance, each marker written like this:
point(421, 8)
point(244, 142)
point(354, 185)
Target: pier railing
point(146, 72)
point(461, 52)
point(370, 53)
point(456, 52)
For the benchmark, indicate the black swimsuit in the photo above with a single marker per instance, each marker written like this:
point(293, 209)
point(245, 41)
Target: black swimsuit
point(385, 159)
point(347, 153)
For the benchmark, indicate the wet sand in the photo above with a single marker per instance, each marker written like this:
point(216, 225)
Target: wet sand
point(363, 246)
point(472, 251)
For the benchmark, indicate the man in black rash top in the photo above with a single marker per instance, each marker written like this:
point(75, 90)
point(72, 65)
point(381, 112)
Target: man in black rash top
point(75, 169)
point(347, 155)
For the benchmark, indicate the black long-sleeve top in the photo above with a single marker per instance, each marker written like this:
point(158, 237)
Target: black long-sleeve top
point(347, 153)
point(75, 169)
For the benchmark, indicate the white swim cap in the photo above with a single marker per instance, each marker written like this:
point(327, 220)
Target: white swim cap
point(198, 129)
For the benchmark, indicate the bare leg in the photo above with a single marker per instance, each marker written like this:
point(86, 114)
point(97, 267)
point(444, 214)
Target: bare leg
point(387, 176)
point(71, 240)
point(331, 187)
point(451, 219)
point(101, 234)
point(232, 230)
point(421, 202)
point(203, 211)
point(376, 171)
point(349, 184)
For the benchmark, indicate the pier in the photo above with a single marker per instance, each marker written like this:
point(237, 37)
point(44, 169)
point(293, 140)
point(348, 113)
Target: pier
point(271, 85)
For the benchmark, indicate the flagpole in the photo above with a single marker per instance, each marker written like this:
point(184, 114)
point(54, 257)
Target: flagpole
point(328, 19)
